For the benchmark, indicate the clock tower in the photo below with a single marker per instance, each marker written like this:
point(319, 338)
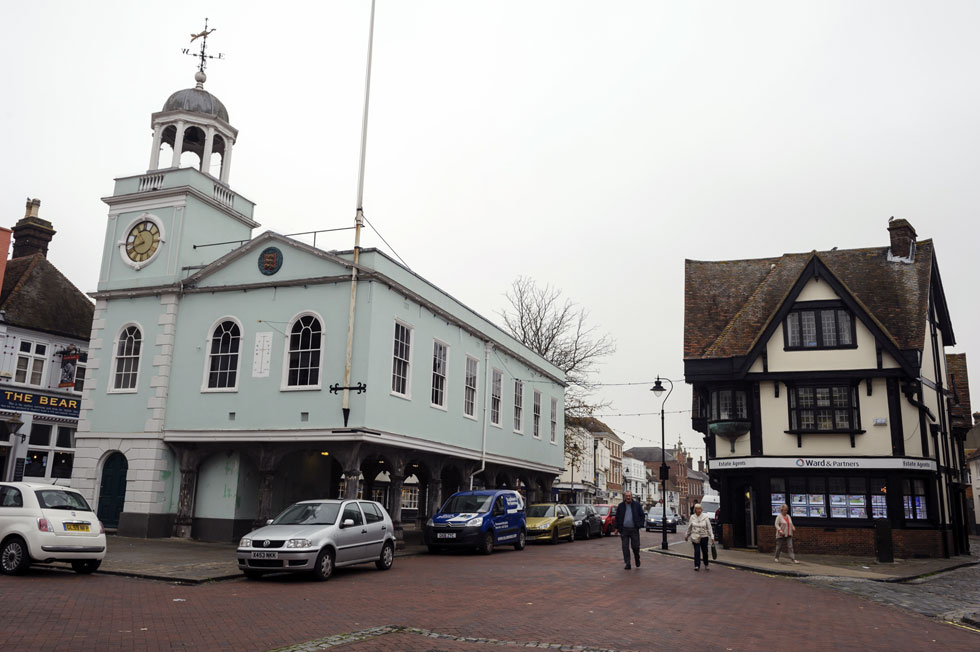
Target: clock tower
point(166, 222)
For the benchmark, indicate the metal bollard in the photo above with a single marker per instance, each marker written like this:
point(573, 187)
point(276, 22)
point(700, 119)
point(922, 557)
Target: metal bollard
point(883, 541)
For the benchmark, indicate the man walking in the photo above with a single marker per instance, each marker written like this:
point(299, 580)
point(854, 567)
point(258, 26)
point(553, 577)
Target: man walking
point(629, 520)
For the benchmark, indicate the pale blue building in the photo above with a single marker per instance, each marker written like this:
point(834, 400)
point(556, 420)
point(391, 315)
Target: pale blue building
point(217, 364)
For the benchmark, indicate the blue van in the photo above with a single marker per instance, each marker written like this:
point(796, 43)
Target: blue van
point(479, 519)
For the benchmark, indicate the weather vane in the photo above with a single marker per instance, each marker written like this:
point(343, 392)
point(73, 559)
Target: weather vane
point(203, 54)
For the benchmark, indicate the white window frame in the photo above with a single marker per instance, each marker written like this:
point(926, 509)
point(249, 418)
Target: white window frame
point(519, 406)
point(408, 363)
point(81, 372)
point(436, 344)
point(51, 449)
point(32, 357)
point(208, 342)
point(114, 370)
point(554, 421)
point(410, 496)
point(284, 385)
point(496, 394)
point(468, 399)
point(536, 415)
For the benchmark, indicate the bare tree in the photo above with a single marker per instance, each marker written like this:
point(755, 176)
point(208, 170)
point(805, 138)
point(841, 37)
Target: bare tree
point(558, 330)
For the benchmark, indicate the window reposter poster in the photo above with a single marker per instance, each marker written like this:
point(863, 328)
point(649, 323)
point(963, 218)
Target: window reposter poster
point(799, 499)
point(818, 511)
point(838, 512)
point(799, 510)
point(879, 508)
point(859, 512)
point(838, 499)
point(816, 499)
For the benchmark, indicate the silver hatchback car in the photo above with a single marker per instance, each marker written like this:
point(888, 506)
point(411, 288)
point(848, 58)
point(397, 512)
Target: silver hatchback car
point(316, 536)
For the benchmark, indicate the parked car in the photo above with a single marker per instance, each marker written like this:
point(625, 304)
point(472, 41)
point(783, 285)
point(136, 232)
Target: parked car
point(478, 519)
point(41, 523)
point(317, 536)
point(550, 522)
point(655, 519)
point(588, 524)
point(608, 515)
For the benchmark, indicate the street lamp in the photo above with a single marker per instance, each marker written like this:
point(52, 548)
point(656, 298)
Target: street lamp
point(658, 390)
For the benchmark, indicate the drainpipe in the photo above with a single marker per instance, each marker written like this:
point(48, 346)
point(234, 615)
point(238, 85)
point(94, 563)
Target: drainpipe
point(488, 347)
point(358, 223)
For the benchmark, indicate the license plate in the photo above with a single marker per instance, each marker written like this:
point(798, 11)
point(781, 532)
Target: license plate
point(445, 535)
point(265, 554)
point(76, 527)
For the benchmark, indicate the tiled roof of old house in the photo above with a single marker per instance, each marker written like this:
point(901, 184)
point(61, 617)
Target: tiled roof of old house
point(728, 304)
point(36, 296)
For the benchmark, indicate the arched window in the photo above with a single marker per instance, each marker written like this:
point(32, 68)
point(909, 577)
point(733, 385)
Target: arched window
point(304, 352)
point(223, 356)
point(127, 358)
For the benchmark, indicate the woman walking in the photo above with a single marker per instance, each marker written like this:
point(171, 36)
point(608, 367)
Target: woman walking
point(784, 533)
point(699, 532)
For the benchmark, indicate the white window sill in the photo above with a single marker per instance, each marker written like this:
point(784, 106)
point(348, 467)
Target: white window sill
point(404, 397)
point(300, 388)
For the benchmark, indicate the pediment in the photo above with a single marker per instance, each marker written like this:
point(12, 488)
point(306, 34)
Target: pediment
point(270, 259)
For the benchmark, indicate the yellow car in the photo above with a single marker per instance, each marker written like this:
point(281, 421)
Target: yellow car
point(549, 522)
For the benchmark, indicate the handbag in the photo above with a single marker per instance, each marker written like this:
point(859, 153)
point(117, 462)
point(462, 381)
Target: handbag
point(714, 551)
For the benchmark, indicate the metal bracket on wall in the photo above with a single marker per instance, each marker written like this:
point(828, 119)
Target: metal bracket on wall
point(359, 388)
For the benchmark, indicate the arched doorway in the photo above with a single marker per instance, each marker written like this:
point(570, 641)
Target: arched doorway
point(112, 491)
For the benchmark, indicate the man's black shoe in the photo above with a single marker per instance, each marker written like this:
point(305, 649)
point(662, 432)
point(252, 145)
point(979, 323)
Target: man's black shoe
point(627, 566)
point(637, 563)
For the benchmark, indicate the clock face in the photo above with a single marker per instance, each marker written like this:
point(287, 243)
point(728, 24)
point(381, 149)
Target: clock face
point(142, 241)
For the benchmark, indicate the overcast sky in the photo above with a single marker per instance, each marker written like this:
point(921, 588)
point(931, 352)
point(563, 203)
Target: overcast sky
point(592, 146)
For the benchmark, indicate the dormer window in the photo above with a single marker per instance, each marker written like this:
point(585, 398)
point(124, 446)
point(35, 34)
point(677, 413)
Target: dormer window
point(819, 328)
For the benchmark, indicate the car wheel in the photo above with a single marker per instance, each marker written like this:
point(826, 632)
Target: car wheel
point(324, 566)
point(434, 550)
point(252, 574)
point(571, 534)
point(486, 545)
point(14, 559)
point(86, 566)
point(387, 556)
point(521, 540)
point(554, 536)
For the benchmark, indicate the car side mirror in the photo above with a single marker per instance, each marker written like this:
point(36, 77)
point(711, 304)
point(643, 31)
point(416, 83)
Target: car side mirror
point(348, 522)
point(268, 521)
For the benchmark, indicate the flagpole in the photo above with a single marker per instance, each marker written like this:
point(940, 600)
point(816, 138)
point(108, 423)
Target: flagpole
point(358, 223)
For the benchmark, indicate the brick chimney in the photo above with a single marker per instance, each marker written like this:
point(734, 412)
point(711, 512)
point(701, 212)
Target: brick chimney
point(902, 240)
point(701, 465)
point(32, 235)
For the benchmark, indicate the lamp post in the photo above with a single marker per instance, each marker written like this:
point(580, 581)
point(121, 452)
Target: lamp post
point(657, 390)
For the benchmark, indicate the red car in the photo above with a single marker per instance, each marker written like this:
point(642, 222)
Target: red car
point(608, 515)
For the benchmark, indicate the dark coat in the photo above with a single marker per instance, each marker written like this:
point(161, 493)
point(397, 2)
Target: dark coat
point(638, 515)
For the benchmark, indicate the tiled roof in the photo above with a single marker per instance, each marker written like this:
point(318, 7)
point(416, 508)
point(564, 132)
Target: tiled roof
point(591, 424)
point(728, 304)
point(36, 296)
point(648, 453)
point(958, 384)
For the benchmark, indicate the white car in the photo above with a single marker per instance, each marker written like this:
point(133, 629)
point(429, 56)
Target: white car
point(41, 523)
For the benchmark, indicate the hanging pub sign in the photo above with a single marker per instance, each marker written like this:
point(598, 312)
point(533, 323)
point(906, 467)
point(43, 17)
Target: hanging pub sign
point(69, 365)
point(39, 403)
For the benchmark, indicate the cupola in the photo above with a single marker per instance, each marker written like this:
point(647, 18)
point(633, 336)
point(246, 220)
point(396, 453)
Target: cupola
point(194, 120)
